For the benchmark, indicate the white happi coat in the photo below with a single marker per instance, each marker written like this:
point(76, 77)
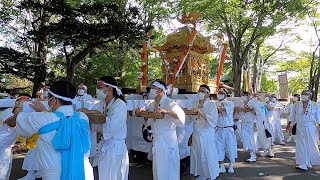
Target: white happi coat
point(262, 122)
point(113, 156)
point(275, 121)
point(307, 150)
point(248, 119)
point(226, 138)
point(49, 160)
point(204, 160)
point(165, 150)
point(7, 139)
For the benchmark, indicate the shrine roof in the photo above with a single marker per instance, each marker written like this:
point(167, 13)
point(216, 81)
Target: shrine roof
point(180, 38)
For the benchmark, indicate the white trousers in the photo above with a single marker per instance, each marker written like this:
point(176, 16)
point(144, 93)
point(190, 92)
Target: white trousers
point(5, 162)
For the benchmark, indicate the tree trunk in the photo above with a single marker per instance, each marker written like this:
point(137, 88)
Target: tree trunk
point(316, 83)
point(237, 64)
point(70, 72)
point(260, 71)
point(255, 77)
point(41, 54)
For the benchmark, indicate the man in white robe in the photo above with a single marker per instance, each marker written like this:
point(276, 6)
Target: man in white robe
point(289, 107)
point(82, 94)
point(204, 160)
point(275, 120)
point(113, 154)
point(262, 141)
point(226, 138)
point(81, 98)
point(165, 150)
point(52, 144)
point(270, 107)
point(7, 139)
point(306, 115)
point(248, 118)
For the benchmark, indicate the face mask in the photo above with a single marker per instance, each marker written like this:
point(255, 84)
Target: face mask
point(273, 99)
point(101, 94)
point(200, 95)
point(244, 98)
point(45, 94)
point(295, 99)
point(81, 92)
point(50, 107)
point(267, 99)
point(153, 93)
point(220, 96)
point(304, 97)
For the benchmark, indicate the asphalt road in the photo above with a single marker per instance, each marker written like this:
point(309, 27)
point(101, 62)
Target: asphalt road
point(282, 166)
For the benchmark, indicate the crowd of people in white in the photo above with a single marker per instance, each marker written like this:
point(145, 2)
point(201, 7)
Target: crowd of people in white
point(67, 143)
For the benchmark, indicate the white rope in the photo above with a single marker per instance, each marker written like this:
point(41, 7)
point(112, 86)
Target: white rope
point(58, 96)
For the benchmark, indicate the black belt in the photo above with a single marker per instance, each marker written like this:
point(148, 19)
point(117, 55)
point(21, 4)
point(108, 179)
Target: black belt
point(225, 127)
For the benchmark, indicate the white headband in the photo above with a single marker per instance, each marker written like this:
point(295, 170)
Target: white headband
point(159, 85)
point(117, 89)
point(23, 97)
point(58, 96)
point(85, 87)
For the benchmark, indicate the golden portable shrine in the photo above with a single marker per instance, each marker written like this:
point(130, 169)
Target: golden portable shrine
point(185, 57)
point(195, 70)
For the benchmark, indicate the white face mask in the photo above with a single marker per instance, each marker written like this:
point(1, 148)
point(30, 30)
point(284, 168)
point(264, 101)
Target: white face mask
point(153, 93)
point(304, 97)
point(50, 107)
point(81, 92)
point(220, 96)
point(273, 99)
point(201, 95)
point(267, 99)
point(45, 94)
point(295, 99)
point(244, 98)
point(101, 94)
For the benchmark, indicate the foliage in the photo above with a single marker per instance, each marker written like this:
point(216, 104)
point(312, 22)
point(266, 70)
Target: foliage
point(268, 85)
point(297, 68)
point(245, 22)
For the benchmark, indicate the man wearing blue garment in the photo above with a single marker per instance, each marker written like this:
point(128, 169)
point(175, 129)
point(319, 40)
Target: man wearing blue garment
point(64, 142)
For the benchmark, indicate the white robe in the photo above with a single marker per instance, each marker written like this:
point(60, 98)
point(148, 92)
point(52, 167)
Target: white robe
point(29, 162)
point(226, 138)
point(270, 118)
point(204, 160)
point(276, 122)
point(49, 160)
point(306, 139)
point(247, 131)
point(165, 150)
point(113, 157)
point(7, 139)
point(93, 127)
point(261, 140)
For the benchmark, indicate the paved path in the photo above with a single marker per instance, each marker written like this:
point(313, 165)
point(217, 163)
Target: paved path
point(282, 166)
